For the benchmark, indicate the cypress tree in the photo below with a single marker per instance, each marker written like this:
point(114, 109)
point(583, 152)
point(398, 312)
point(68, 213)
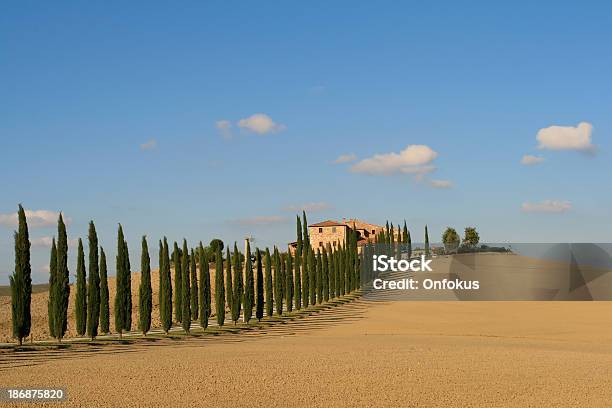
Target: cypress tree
point(93, 289)
point(268, 278)
point(128, 285)
point(325, 275)
point(204, 288)
point(405, 234)
point(228, 283)
point(409, 245)
point(165, 288)
point(186, 290)
point(289, 284)
point(52, 279)
point(80, 302)
point(178, 285)
point(312, 273)
point(278, 297)
point(219, 288)
point(194, 288)
point(283, 277)
point(319, 277)
point(249, 290)
point(259, 304)
point(305, 276)
point(145, 291)
point(104, 297)
point(238, 285)
point(62, 285)
point(300, 244)
point(297, 293)
point(426, 242)
point(120, 295)
point(21, 281)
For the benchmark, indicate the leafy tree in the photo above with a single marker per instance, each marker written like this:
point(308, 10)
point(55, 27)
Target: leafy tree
point(21, 281)
point(426, 242)
point(204, 289)
point(93, 289)
point(62, 286)
point(186, 289)
point(268, 278)
point(450, 239)
point(52, 279)
point(289, 282)
point(231, 301)
point(471, 237)
point(249, 290)
point(194, 288)
point(165, 288)
point(145, 291)
point(219, 288)
point(178, 284)
point(80, 303)
point(216, 244)
point(259, 303)
point(104, 297)
point(278, 296)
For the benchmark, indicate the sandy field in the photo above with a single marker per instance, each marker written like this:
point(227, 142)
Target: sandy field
point(440, 354)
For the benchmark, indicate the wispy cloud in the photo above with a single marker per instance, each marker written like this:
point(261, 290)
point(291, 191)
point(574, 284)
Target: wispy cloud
point(35, 218)
point(414, 159)
point(225, 127)
point(46, 241)
point(260, 220)
point(309, 207)
point(530, 160)
point(567, 138)
point(149, 145)
point(345, 158)
point(260, 123)
point(441, 184)
point(547, 206)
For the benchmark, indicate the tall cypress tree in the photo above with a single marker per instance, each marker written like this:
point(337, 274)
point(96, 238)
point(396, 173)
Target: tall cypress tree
point(312, 273)
point(194, 288)
point(145, 291)
point(319, 277)
point(249, 289)
point(409, 245)
point(204, 288)
point(426, 242)
point(52, 279)
point(278, 298)
point(104, 296)
point(238, 294)
point(405, 233)
point(325, 275)
point(229, 284)
point(219, 288)
point(21, 281)
point(305, 275)
point(62, 284)
point(178, 285)
point(300, 244)
point(289, 284)
point(121, 290)
point(93, 288)
point(297, 293)
point(80, 302)
point(165, 302)
point(186, 290)
point(259, 303)
point(330, 273)
point(128, 291)
point(268, 278)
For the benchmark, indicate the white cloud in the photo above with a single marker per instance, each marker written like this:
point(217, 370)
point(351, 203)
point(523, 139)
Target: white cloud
point(309, 207)
point(46, 241)
point(260, 123)
point(547, 206)
point(260, 220)
point(149, 145)
point(414, 159)
point(441, 183)
point(34, 218)
point(566, 137)
point(530, 160)
point(225, 127)
point(345, 158)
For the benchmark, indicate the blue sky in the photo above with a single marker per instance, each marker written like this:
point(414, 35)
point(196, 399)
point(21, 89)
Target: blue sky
point(84, 87)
